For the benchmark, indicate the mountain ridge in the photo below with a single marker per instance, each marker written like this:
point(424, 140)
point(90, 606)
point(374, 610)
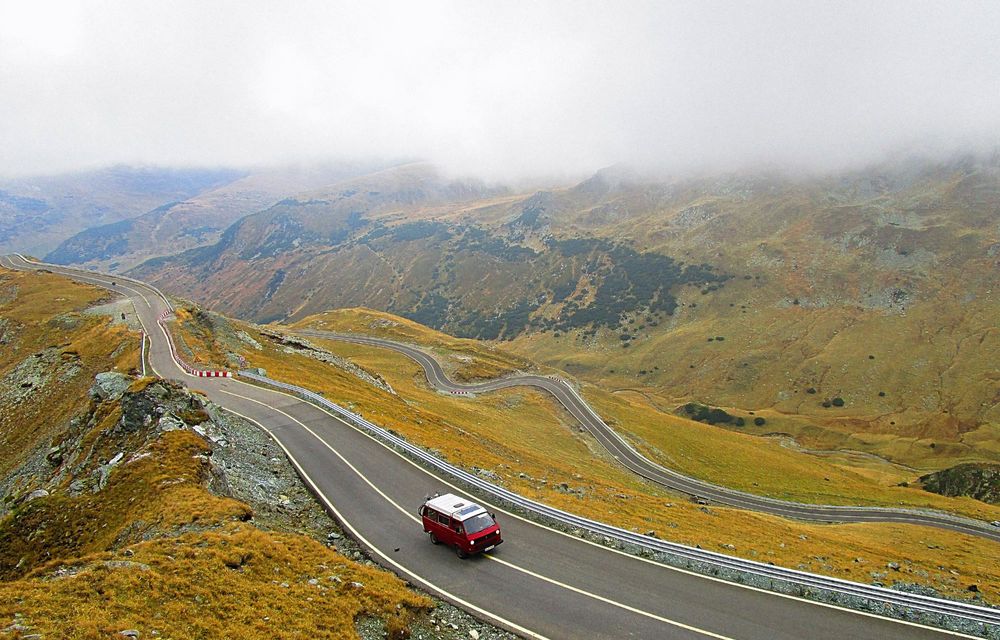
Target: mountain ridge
point(752, 293)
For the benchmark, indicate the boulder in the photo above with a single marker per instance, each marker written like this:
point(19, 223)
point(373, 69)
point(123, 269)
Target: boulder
point(110, 386)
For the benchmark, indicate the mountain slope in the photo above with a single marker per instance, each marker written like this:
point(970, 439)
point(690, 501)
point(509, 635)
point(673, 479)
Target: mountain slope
point(38, 213)
point(194, 222)
point(855, 311)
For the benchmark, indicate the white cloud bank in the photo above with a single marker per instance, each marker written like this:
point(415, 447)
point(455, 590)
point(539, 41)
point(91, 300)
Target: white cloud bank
point(496, 89)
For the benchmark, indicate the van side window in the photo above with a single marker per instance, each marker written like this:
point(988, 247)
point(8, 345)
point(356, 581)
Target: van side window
point(443, 519)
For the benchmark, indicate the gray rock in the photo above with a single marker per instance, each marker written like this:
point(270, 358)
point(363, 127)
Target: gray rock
point(247, 338)
point(36, 494)
point(129, 633)
point(170, 423)
point(110, 386)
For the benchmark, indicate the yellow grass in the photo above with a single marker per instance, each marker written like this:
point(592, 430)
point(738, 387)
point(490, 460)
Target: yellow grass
point(44, 312)
point(520, 431)
point(935, 363)
point(463, 359)
point(154, 550)
point(224, 579)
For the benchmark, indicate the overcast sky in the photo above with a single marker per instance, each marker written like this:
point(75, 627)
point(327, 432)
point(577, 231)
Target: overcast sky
point(496, 89)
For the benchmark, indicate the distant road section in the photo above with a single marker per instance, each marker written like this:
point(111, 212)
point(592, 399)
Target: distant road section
point(634, 461)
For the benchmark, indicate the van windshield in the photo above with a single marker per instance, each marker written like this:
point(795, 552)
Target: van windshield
point(475, 524)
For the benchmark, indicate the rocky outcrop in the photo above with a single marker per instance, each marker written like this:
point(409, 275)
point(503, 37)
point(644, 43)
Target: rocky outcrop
point(975, 480)
point(306, 348)
point(110, 386)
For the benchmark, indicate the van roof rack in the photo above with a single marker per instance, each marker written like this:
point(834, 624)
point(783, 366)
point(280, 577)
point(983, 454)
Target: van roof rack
point(455, 506)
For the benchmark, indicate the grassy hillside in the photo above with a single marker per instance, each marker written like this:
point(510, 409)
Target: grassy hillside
point(151, 548)
point(857, 310)
point(520, 439)
point(51, 351)
point(120, 507)
point(463, 359)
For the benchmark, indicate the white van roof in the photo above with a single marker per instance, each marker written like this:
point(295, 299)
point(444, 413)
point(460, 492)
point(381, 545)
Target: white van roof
point(454, 506)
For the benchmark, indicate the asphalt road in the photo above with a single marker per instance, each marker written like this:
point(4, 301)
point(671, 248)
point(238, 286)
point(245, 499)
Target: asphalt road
point(636, 462)
point(539, 583)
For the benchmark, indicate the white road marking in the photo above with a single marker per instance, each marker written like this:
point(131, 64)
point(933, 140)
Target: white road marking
point(595, 544)
point(409, 515)
point(357, 534)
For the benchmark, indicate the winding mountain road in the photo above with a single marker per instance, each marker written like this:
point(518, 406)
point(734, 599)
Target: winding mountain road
point(634, 461)
point(541, 583)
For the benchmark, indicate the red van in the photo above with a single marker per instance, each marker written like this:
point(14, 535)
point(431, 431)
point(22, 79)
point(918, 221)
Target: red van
point(460, 524)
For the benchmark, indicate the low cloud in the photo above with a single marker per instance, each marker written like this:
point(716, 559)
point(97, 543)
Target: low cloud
point(502, 90)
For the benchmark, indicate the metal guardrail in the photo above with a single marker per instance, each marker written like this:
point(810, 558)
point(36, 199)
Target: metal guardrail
point(696, 487)
point(888, 602)
point(831, 509)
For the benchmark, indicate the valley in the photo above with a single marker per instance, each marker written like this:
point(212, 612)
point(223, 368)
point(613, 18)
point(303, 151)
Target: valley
point(520, 438)
point(854, 313)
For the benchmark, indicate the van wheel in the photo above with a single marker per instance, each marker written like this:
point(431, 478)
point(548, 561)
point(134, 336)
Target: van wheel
point(460, 553)
point(434, 539)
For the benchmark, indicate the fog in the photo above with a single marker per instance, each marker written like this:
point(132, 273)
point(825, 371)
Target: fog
point(499, 90)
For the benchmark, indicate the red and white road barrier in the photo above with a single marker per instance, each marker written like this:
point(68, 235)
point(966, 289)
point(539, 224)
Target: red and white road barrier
point(211, 374)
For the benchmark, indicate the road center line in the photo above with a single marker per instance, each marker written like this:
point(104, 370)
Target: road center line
point(357, 534)
point(661, 565)
point(409, 515)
